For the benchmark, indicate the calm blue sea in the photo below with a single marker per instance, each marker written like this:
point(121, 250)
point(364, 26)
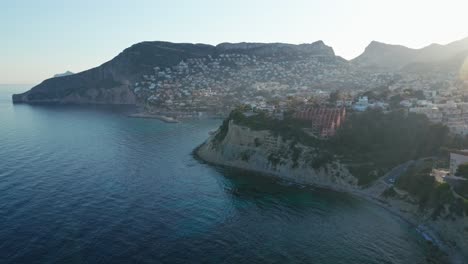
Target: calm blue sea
point(89, 185)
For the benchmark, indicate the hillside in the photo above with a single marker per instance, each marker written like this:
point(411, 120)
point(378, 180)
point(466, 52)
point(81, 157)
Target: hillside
point(110, 82)
point(388, 57)
point(197, 77)
point(113, 81)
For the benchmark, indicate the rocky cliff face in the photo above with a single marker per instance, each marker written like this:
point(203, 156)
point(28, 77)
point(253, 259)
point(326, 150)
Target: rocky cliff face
point(111, 82)
point(263, 152)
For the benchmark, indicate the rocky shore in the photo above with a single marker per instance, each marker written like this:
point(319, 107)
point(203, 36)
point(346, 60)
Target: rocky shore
point(164, 118)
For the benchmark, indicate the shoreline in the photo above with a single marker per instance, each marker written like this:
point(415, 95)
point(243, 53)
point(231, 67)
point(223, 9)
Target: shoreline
point(164, 118)
point(425, 230)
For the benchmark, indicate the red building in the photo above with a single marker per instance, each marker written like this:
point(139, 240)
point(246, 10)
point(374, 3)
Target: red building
point(324, 121)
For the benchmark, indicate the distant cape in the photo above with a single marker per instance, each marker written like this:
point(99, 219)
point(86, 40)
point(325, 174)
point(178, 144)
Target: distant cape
point(63, 74)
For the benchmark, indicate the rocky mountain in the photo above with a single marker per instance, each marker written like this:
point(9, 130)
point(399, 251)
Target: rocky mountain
point(184, 76)
point(112, 82)
point(386, 57)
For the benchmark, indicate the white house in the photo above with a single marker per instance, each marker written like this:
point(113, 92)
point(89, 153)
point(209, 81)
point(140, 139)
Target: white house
point(362, 104)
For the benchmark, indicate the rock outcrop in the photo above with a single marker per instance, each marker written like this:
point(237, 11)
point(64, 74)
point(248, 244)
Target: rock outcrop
point(263, 152)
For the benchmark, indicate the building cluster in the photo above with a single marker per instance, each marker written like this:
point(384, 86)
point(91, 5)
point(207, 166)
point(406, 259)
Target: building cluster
point(444, 107)
point(223, 82)
point(363, 103)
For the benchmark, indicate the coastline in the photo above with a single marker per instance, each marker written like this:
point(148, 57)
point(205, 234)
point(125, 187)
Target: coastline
point(164, 118)
point(426, 230)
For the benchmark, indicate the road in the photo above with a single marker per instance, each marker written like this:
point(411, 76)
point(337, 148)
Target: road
point(392, 176)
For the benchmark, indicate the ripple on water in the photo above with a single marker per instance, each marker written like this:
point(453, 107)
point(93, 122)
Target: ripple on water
point(95, 186)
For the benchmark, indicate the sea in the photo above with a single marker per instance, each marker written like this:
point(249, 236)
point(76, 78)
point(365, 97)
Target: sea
point(87, 184)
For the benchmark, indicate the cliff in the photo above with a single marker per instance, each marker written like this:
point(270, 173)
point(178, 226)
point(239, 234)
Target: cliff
point(111, 82)
point(265, 152)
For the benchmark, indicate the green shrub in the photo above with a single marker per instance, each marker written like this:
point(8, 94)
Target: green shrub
point(389, 192)
point(257, 142)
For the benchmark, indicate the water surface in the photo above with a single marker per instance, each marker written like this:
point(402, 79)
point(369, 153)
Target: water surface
point(89, 185)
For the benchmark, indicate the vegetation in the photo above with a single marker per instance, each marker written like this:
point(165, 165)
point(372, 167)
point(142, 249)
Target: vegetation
point(431, 194)
point(257, 142)
point(462, 170)
point(390, 192)
point(374, 142)
point(418, 181)
point(462, 189)
point(296, 153)
point(222, 131)
point(288, 128)
point(321, 159)
point(371, 143)
point(245, 155)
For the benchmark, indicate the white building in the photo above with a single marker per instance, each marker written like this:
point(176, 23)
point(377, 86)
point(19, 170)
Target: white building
point(406, 103)
point(362, 104)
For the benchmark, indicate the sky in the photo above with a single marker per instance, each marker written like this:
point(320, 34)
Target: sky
point(41, 38)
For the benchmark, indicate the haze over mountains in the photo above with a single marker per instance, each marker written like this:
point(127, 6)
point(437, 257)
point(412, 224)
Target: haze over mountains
point(230, 67)
point(396, 57)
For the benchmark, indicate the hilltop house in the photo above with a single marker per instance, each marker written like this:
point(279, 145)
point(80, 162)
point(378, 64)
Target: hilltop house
point(324, 121)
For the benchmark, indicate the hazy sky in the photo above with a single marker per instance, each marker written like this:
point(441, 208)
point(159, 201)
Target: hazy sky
point(42, 38)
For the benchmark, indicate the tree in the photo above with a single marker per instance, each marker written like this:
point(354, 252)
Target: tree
point(419, 94)
point(335, 96)
point(462, 170)
point(395, 101)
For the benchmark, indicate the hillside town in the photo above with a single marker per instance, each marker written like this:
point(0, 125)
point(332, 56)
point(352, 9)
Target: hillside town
point(219, 84)
point(223, 82)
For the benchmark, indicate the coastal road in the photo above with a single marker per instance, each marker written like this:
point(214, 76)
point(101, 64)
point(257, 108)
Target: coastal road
point(392, 176)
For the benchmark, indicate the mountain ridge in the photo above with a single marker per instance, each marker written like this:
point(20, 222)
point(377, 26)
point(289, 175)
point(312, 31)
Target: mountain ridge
point(393, 57)
point(141, 58)
point(112, 82)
